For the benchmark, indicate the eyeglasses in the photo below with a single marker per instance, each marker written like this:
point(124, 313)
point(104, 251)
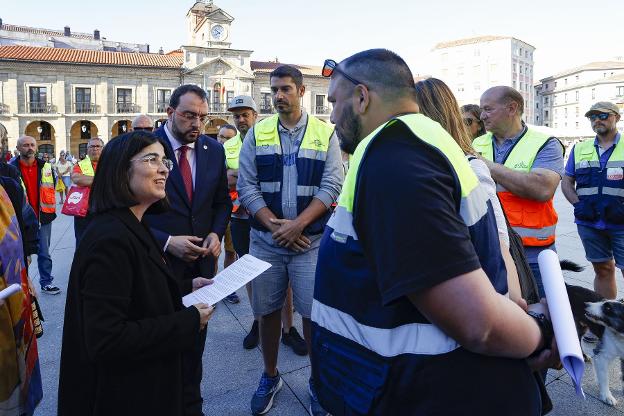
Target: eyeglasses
point(330, 66)
point(469, 121)
point(95, 146)
point(599, 116)
point(192, 116)
point(143, 128)
point(153, 162)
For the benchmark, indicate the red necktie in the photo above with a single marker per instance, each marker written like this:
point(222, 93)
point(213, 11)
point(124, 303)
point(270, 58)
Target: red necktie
point(185, 170)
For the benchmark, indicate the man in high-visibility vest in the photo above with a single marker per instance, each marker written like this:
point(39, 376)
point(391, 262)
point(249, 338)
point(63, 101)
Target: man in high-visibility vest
point(82, 175)
point(38, 179)
point(526, 165)
point(596, 167)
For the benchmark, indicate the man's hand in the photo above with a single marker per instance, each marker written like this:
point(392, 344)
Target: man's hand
point(548, 358)
point(213, 245)
point(186, 247)
point(205, 313)
point(289, 234)
point(200, 282)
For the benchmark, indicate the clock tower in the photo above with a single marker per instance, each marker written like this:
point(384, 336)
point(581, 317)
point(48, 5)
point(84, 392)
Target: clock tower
point(208, 25)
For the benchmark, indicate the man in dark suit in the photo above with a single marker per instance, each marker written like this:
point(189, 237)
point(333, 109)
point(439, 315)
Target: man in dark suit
point(191, 231)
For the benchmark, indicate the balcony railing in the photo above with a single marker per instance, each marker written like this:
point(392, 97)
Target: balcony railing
point(161, 106)
point(4, 109)
point(321, 109)
point(217, 107)
point(266, 109)
point(127, 108)
point(85, 108)
point(39, 107)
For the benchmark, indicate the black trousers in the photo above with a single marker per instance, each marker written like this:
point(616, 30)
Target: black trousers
point(80, 225)
point(192, 375)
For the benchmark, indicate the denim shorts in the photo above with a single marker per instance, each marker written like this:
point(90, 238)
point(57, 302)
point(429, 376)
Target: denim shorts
point(269, 289)
point(602, 245)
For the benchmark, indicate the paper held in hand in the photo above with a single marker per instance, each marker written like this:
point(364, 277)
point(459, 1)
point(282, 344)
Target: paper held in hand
point(561, 317)
point(231, 279)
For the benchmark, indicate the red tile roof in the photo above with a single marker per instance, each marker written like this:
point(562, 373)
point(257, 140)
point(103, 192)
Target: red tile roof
point(79, 56)
point(47, 32)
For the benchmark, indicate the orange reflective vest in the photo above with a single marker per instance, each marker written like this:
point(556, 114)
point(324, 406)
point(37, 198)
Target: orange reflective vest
point(47, 198)
point(232, 150)
point(534, 221)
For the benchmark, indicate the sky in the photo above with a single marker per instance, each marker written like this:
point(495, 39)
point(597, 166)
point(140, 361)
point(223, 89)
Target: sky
point(566, 33)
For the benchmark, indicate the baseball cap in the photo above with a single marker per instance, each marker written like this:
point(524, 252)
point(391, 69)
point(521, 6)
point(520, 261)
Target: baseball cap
point(603, 107)
point(243, 101)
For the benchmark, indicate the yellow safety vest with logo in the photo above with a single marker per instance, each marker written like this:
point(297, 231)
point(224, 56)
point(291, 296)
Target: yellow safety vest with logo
point(232, 150)
point(47, 198)
point(533, 220)
point(86, 167)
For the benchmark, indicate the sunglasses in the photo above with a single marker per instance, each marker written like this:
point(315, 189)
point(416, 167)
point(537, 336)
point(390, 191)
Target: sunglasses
point(143, 128)
point(599, 116)
point(329, 66)
point(469, 121)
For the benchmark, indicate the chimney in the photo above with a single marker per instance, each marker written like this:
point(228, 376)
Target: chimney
point(67, 31)
point(96, 34)
point(161, 51)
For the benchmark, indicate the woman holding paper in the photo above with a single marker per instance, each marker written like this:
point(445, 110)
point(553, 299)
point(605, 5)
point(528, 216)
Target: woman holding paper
point(125, 326)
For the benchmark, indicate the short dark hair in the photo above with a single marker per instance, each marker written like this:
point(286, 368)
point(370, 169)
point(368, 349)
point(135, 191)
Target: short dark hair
point(283, 71)
point(111, 184)
point(382, 70)
point(229, 127)
point(174, 100)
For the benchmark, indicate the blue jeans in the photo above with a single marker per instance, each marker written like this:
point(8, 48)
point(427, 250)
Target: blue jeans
point(538, 279)
point(44, 260)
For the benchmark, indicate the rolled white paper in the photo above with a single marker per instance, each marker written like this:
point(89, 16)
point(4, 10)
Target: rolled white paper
point(561, 316)
point(10, 290)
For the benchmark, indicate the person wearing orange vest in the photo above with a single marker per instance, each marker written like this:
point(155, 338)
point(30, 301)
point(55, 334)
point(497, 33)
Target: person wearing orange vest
point(82, 175)
point(39, 182)
point(526, 165)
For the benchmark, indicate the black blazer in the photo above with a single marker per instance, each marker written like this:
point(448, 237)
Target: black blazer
point(211, 206)
point(125, 326)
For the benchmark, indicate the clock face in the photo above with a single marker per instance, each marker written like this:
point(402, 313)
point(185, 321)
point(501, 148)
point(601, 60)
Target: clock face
point(218, 32)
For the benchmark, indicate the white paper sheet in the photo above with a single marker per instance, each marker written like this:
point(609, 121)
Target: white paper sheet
point(230, 279)
point(561, 316)
point(10, 290)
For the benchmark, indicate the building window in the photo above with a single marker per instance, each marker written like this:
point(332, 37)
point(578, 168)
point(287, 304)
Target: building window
point(460, 71)
point(83, 100)
point(229, 96)
point(265, 103)
point(565, 112)
point(565, 81)
point(545, 86)
point(319, 105)
point(565, 97)
point(520, 69)
point(545, 100)
point(593, 93)
point(555, 84)
point(477, 86)
point(555, 125)
point(124, 100)
point(536, 105)
point(577, 111)
point(521, 85)
point(577, 95)
point(38, 99)
point(162, 100)
point(577, 124)
point(546, 114)
point(620, 90)
point(577, 78)
point(208, 94)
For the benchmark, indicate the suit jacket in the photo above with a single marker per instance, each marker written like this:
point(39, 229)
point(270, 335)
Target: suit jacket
point(125, 327)
point(209, 211)
point(44, 218)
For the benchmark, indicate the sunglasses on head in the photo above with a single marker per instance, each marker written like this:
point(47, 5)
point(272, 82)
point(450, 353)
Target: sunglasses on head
point(329, 66)
point(143, 128)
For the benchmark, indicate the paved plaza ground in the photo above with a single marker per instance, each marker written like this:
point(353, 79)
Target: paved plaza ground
point(231, 373)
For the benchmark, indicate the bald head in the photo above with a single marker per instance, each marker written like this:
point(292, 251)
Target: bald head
point(142, 122)
point(27, 146)
point(503, 94)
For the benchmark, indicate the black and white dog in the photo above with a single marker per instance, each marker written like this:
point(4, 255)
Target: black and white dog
point(605, 319)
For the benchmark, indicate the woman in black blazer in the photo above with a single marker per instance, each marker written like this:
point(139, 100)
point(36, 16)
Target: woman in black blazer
point(125, 326)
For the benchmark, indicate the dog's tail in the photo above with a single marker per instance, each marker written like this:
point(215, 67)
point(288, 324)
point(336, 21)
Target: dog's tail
point(571, 266)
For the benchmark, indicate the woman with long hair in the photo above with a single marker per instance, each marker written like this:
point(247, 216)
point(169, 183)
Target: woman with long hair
point(437, 102)
point(472, 118)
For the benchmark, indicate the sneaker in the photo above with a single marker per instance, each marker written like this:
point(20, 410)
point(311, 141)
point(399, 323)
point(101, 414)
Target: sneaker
point(232, 298)
point(50, 290)
point(251, 339)
point(294, 341)
point(262, 399)
point(315, 407)
point(590, 338)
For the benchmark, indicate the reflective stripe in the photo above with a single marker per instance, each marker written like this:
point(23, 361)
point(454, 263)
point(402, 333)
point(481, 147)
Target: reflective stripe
point(271, 187)
point(587, 191)
point(268, 149)
point(307, 190)
point(474, 206)
point(539, 233)
point(613, 191)
point(341, 222)
point(312, 154)
point(587, 164)
point(615, 164)
point(413, 338)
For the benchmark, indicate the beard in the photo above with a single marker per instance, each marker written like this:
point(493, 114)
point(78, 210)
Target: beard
point(187, 136)
point(600, 129)
point(349, 131)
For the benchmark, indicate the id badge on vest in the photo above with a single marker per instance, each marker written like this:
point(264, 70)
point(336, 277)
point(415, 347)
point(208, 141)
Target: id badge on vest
point(615, 174)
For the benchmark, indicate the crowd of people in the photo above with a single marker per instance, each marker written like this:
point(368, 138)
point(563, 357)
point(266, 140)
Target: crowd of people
point(412, 307)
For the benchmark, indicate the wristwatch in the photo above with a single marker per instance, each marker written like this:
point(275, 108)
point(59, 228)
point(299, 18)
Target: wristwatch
point(545, 327)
